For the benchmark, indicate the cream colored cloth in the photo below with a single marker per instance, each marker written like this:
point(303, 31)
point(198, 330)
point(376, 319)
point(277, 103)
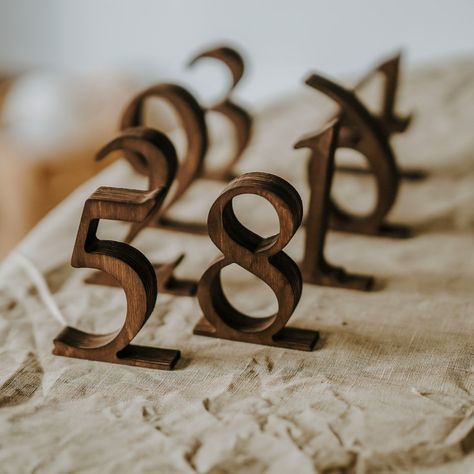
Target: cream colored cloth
point(388, 389)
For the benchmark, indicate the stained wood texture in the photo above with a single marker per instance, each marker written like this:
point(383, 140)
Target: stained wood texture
point(157, 155)
point(132, 271)
point(314, 266)
point(238, 116)
point(389, 120)
point(193, 122)
point(264, 257)
point(371, 141)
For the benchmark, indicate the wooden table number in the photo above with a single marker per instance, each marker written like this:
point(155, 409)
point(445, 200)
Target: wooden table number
point(155, 153)
point(235, 113)
point(133, 272)
point(389, 120)
point(314, 267)
point(371, 141)
point(264, 257)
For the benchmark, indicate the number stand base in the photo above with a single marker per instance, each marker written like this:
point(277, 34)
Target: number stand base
point(194, 228)
point(167, 283)
point(288, 337)
point(410, 174)
point(338, 278)
point(394, 231)
point(73, 343)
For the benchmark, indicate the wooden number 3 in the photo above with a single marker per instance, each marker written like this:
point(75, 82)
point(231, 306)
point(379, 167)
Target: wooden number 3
point(129, 267)
point(261, 256)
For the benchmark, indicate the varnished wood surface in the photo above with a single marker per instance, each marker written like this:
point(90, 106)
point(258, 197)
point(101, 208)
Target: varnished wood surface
point(263, 257)
point(371, 141)
point(314, 266)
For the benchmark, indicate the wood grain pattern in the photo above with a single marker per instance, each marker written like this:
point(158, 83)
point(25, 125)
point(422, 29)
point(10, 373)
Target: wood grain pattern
point(371, 141)
point(264, 257)
point(389, 120)
point(314, 266)
point(133, 272)
point(157, 155)
point(238, 116)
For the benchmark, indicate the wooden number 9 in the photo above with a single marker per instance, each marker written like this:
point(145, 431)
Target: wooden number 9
point(261, 256)
point(192, 117)
point(236, 114)
point(129, 267)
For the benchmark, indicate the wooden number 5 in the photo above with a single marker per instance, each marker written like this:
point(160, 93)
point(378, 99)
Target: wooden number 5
point(133, 272)
point(261, 256)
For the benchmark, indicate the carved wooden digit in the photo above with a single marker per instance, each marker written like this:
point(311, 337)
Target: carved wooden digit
point(236, 114)
point(371, 142)
point(314, 267)
point(156, 153)
point(192, 118)
point(261, 256)
point(133, 272)
point(389, 68)
point(389, 120)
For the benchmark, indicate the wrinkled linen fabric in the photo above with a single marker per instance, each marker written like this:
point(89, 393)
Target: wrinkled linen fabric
point(389, 387)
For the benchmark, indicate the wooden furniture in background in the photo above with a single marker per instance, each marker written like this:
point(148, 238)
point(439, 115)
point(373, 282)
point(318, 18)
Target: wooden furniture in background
point(263, 257)
point(32, 184)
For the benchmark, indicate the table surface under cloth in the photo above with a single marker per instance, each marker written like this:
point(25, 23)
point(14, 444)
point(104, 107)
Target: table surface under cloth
point(388, 389)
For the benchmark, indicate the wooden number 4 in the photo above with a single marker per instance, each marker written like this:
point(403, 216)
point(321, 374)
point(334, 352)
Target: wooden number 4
point(130, 268)
point(264, 257)
point(314, 267)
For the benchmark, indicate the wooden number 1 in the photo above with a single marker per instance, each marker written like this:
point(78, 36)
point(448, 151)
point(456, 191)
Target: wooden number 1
point(133, 272)
point(314, 267)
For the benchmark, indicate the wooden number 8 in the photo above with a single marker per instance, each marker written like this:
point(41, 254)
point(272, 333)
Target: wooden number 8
point(261, 256)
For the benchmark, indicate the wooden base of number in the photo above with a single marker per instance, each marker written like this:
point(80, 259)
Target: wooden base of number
point(339, 278)
point(393, 231)
point(167, 282)
point(287, 338)
point(74, 343)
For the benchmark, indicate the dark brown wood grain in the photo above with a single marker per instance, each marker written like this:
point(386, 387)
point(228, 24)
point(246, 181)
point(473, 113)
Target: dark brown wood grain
point(263, 257)
point(389, 120)
point(157, 155)
point(133, 272)
point(192, 119)
point(371, 141)
point(314, 266)
point(238, 116)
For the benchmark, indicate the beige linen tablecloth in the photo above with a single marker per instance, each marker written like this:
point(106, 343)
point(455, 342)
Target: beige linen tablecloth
point(389, 387)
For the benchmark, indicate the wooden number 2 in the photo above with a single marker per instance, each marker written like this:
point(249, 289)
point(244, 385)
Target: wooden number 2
point(130, 268)
point(371, 141)
point(314, 267)
point(261, 256)
point(236, 114)
point(157, 154)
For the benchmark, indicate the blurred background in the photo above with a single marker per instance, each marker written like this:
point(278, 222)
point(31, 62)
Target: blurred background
point(67, 68)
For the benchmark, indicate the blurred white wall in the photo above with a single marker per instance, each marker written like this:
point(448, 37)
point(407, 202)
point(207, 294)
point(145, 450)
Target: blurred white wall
point(283, 38)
